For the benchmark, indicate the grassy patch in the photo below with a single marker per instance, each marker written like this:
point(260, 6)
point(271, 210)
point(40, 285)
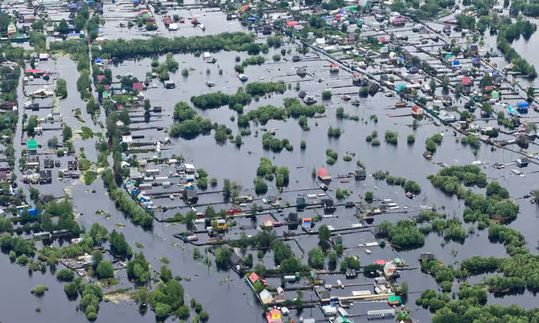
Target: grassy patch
point(89, 177)
point(86, 133)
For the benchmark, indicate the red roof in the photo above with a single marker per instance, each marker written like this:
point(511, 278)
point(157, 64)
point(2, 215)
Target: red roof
point(138, 86)
point(323, 173)
point(167, 20)
point(33, 71)
point(466, 81)
point(253, 277)
point(380, 262)
point(291, 23)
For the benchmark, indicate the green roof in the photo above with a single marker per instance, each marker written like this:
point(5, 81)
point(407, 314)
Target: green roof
point(394, 299)
point(31, 144)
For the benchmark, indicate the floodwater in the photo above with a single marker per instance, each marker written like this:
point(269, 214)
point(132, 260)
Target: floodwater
point(225, 295)
point(528, 48)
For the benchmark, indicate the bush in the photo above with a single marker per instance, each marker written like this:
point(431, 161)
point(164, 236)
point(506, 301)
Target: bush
point(39, 290)
point(391, 137)
point(104, 270)
point(326, 95)
point(412, 187)
point(316, 258)
point(369, 197)
point(65, 275)
point(410, 139)
point(61, 89)
point(72, 290)
point(261, 187)
point(334, 132)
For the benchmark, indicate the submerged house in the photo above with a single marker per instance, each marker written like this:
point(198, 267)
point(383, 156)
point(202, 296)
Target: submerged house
point(323, 174)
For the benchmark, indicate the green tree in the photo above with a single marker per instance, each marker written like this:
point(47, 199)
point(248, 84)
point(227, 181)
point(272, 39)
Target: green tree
point(63, 27)
point(316, 258)
point(104, 270)
point(165, 274)
point(138, 269)
point(65, 275)
point(222, 258)
point(324, 234)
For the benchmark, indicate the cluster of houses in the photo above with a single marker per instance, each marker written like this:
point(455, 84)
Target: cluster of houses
point(333, 299)
point(171, 178)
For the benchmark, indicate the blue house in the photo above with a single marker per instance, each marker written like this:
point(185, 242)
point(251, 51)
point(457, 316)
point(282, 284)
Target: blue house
point(522, 107)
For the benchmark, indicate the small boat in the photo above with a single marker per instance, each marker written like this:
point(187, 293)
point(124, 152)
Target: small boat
point(243, 77)
point(346, 97)
point(309, 100)
point(355, 102)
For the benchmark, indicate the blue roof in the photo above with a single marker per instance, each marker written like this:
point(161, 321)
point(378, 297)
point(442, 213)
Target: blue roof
point(523, 105)
point(98, 60)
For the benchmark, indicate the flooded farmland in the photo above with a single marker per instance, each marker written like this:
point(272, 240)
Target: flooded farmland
point(267, 162)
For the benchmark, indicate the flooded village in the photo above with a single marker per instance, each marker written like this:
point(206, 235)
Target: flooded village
point(268, 161)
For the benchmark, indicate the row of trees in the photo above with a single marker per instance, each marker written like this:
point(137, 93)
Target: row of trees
point(269, 141)
point(292, 108)
point(218, 99)
point(121, 48)
point(125, 203)
point(407, 185)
